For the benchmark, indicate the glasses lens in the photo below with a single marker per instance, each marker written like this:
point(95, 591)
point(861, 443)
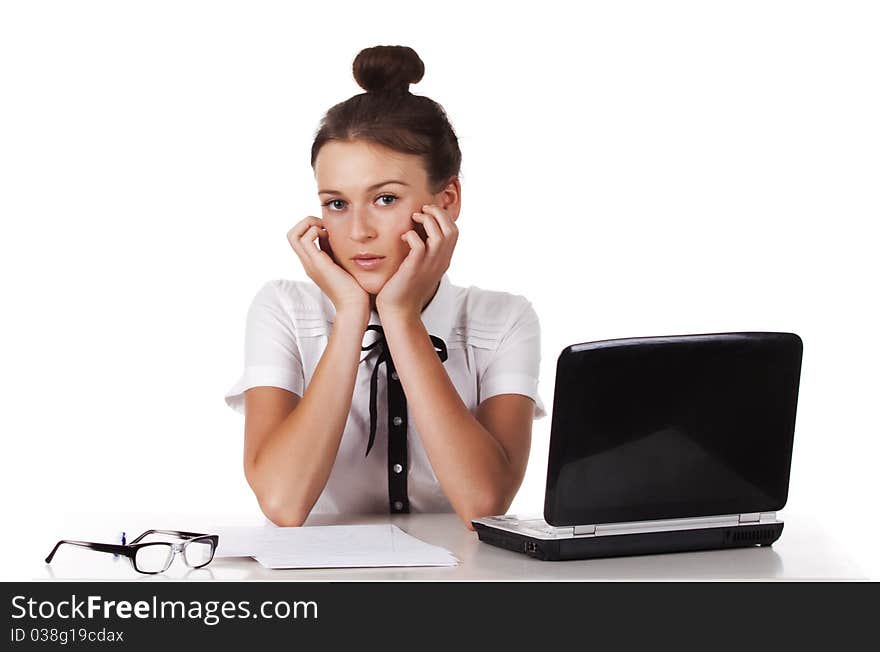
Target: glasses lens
point(153, 558)
point(198, 552)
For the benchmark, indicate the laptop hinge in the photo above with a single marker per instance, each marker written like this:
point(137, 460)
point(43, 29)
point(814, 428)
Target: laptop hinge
point(580, 530)
point(753, 517)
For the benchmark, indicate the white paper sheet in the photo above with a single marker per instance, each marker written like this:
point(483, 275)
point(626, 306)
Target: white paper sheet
point(330, 546)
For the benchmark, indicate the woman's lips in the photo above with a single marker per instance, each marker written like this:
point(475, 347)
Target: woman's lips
point(368, 263)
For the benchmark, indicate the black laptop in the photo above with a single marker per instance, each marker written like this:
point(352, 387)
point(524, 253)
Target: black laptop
point(664, 444)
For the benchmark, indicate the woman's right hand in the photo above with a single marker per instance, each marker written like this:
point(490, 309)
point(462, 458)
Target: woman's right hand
point(341, 287)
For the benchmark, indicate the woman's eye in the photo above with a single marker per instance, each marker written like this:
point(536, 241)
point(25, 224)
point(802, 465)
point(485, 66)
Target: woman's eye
point(339, 204)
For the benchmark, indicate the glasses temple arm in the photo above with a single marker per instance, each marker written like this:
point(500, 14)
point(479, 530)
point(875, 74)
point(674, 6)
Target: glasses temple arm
point(100, 547)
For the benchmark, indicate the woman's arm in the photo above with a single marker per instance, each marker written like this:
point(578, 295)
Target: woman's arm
point(290, 443)
point(480, 467)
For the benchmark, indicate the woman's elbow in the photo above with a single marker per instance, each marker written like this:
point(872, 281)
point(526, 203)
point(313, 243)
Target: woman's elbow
point(285, 520)
point(281, 513)
point(280, 509)
point(467, 517)
point(275, 507)
point(489, 506)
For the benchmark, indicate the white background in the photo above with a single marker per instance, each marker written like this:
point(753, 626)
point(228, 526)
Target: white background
point(633, 168)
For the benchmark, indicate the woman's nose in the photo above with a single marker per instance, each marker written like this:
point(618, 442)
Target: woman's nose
point(361, 226)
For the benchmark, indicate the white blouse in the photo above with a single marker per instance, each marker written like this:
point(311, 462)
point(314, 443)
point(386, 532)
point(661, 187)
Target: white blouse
point(493, 347)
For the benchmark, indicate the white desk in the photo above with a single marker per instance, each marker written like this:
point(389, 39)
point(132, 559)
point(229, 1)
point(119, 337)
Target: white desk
point(804, 552)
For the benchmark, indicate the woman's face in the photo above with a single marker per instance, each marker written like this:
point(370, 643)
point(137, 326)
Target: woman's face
point(368, 195)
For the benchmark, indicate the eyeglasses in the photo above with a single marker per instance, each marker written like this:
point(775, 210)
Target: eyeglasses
point(156, 556)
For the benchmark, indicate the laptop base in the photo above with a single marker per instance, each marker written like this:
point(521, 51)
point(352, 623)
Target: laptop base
point(620, 545)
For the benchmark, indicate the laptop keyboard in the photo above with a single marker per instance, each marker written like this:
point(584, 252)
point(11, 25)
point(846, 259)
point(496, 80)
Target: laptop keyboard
point(540, 525)
point(536, 524)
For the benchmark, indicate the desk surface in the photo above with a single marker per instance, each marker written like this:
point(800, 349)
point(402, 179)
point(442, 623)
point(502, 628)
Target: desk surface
point(804, 552)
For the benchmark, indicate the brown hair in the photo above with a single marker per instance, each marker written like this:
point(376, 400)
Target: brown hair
point(388, 114)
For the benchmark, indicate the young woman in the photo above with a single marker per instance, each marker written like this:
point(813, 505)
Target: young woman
point(447, 426)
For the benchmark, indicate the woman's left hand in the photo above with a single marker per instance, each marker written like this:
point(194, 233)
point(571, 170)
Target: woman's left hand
point(415, 281)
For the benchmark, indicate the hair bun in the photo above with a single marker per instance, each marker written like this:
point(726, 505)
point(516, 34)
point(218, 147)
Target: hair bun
point(387, 68)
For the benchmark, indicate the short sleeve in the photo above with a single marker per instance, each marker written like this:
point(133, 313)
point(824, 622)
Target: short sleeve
point(515, 365)
point(271, 355)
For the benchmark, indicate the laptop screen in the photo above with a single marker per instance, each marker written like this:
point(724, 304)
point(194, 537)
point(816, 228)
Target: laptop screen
point(672, 427)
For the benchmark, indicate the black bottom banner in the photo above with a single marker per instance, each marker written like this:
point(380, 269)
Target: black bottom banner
point(101, 615)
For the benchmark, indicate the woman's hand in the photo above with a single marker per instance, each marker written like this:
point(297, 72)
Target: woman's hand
point(341, 287)
point(415, 281)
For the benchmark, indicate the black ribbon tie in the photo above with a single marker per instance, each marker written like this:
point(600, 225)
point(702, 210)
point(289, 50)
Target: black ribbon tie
point(397, 417)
